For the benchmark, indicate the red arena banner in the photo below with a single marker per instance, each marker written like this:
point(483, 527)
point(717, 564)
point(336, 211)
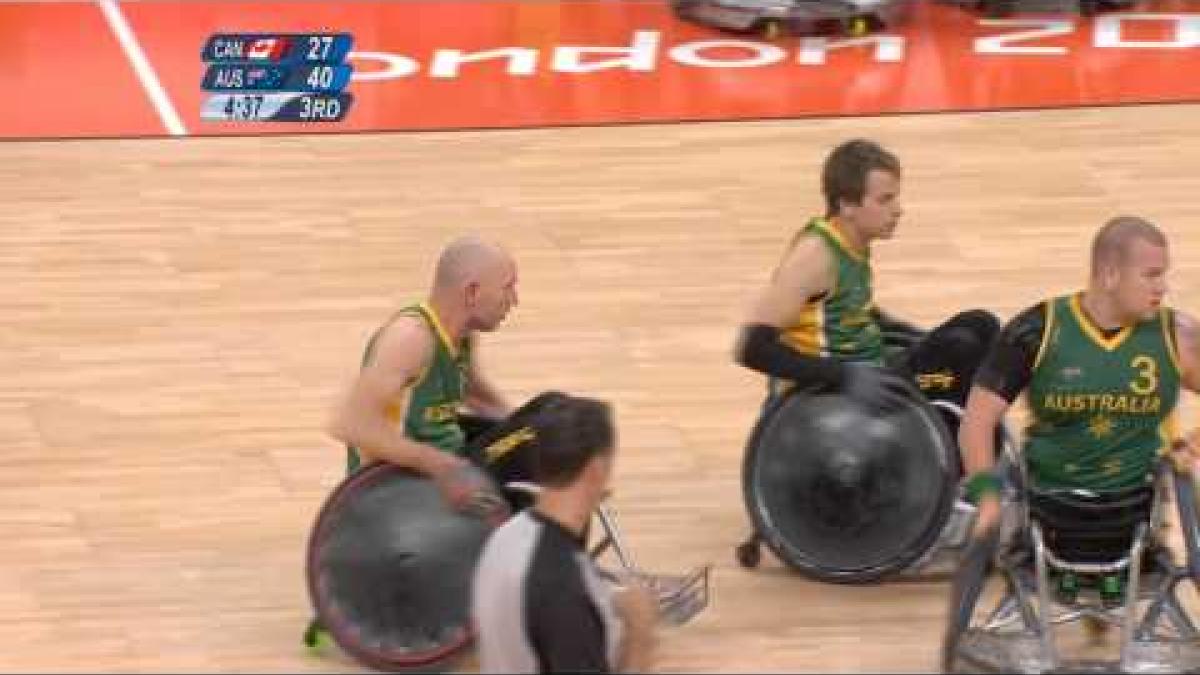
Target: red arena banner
point(504, 64)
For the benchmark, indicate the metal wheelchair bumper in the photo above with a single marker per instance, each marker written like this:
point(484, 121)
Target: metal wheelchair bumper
point(680, 597)
point(1156, 633)
point(1018, 653)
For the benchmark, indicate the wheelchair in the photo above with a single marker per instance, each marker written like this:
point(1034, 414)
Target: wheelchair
point(389, 565)
point(999, 9)
point(1074, 556)
point(775, 18)
point(842, 495)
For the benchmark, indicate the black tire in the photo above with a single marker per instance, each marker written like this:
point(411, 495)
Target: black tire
point(867, 573)
point(436, 656)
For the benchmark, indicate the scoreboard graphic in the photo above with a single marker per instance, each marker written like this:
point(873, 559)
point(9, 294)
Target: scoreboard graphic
point(276, 77)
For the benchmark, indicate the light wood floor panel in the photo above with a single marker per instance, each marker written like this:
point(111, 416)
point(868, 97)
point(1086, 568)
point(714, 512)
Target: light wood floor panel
point(180, 315)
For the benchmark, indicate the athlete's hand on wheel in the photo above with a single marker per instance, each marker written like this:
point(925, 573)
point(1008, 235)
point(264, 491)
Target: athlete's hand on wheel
point(463, 485)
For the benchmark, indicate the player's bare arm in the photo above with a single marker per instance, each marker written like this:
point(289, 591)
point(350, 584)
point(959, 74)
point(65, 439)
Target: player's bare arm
point(402, 352)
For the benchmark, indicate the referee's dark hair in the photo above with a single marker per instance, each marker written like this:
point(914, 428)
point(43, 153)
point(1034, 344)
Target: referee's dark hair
point(571, 431)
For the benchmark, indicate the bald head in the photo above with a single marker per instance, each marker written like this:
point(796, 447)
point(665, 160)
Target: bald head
point(469, 259)
point(476, 279)
point(1116, 238)
point(1129, 269)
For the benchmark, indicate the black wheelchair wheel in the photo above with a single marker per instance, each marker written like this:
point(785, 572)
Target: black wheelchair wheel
point(844, 496)
point(389, 569)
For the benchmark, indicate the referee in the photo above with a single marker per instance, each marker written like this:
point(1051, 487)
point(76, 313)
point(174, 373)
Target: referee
point(539, 603)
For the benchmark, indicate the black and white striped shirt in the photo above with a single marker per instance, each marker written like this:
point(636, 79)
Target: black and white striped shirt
point(539, 604)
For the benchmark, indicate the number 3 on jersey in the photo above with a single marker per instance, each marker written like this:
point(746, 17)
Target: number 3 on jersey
point(1146, 380)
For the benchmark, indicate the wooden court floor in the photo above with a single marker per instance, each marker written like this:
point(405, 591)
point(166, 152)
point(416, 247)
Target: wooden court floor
point(179, 315)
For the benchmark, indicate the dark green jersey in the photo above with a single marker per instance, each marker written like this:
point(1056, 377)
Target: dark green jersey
point(839, 323)
point(434, 399)
point(1103, 406)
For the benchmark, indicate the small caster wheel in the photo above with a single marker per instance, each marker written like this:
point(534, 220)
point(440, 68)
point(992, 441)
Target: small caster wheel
point(316, 638)
point(748, 554)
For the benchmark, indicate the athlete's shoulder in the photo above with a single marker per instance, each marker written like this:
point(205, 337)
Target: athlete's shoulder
point(405, 339)
point(1031, 320)
point(808, 246)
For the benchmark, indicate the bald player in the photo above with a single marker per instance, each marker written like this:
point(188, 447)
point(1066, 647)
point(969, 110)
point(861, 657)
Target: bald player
point(1102, 369)
point(418, 374)
point(419, 370)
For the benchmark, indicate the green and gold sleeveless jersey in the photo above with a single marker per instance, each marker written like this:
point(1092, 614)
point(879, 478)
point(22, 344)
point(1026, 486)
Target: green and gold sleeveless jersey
point(1103, 407)
point(839, 324)
point(434, 399)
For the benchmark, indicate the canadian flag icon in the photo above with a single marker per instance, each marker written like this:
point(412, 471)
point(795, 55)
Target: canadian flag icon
point(267, 49)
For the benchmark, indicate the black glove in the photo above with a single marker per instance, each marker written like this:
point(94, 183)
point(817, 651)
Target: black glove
point(875, 387)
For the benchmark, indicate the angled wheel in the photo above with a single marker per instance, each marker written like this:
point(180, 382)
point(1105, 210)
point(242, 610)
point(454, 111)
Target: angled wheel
point(1189, 523)
point(846, 496)
point(969, 580)
point(389, 569)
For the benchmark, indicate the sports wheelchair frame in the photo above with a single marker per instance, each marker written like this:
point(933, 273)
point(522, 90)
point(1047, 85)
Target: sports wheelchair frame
point(1079, 556)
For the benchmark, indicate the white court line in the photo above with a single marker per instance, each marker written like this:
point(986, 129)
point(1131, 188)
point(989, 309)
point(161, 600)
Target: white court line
point(141, 66)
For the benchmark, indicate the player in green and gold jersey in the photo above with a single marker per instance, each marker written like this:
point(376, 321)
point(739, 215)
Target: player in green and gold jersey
point(1102, 370)
point(419, 372)
point(419, 375)
point(816, 324)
